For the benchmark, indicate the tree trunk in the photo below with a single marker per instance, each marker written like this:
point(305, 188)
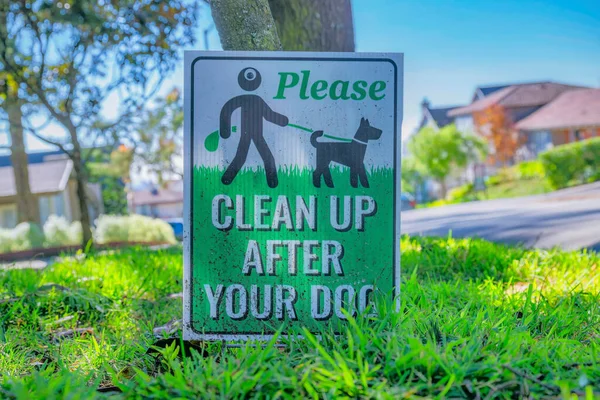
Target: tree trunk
point(81, 181)
point(443, 188)
point(245, 24)
point(27, 205)
point(314, 25)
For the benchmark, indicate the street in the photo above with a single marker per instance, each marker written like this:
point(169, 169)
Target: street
point(569, 218)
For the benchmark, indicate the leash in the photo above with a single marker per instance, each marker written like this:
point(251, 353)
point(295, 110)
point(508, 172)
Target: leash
point(211, 143)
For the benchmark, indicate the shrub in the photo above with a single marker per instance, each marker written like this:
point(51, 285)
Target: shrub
point(24, 236)
point(59, 232)
point(530, 170)
point(133, 228)
point(507, 174)
point(110, 228)
point(494, 180)
point(5, 240)
point(461, 194)
point(573, 163)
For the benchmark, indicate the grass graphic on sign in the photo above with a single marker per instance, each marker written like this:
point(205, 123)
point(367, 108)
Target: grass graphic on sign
point(212, 264)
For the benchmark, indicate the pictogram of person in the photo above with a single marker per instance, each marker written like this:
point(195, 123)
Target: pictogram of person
point(254, 110)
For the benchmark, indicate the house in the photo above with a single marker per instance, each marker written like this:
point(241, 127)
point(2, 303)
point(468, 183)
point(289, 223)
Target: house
point(483, 91)
point(52, 182)
point(571, 117)
point(438, 117)
point(518, 100)
point(435, 117)
point(158, 202)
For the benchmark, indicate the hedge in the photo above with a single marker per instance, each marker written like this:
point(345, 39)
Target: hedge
point(57, 232)
point(572, 164)
point(132, 228)
point(24, 236)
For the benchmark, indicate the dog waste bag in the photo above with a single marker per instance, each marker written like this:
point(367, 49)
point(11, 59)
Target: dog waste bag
point(292, 191)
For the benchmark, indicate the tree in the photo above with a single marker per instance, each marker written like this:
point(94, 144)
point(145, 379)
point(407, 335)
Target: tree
point(412, 177)
point(494, 124)
point(160, 138)
point(313, 25)
point(70, 56)
point(437, 152)
point(27, 207)
point(245, 25)
point(112, 170)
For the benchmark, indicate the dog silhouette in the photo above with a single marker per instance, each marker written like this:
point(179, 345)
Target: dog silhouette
point(350, 154)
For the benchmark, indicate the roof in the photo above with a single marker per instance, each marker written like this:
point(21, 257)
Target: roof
point(33, 158)
point(572, 109)
point(44, 177)
point(156, 196)
point(440, 115)
point(515, 96)
point(487, 90)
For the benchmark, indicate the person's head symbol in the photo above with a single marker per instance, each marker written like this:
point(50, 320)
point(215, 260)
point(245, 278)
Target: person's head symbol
point(249, 79)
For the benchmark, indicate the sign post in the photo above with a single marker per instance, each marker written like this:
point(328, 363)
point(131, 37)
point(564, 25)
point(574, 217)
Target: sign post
point(292, 190)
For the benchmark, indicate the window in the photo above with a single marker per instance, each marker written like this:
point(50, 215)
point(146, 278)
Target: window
point(541, 141)
point(143, 209)
point(464, 123)
point(51, 205)
point(8, 216)
point(44, 202)
point(59, 205)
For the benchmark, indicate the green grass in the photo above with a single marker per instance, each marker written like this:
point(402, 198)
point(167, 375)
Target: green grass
point(516, 188)
point(478, 320)
point(506, 185)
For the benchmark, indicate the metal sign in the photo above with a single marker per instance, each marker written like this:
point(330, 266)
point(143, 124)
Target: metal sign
point(292, 190)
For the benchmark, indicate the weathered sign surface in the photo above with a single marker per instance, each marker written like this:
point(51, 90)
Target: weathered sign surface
point(292, 175)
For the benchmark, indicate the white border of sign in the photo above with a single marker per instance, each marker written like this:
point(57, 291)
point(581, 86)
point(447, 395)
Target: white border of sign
point(396, 58)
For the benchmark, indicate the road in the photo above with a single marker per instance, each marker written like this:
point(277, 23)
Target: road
point(568, 218)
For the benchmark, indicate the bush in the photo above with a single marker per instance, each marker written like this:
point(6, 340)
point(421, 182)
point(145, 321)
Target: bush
point(494, 180)
point(572, 164)
point(24, 236)
point(461, 194)
point(133, 228)
point(59, 232)
point(530, 170)
point(110, 228)
point(507, 174)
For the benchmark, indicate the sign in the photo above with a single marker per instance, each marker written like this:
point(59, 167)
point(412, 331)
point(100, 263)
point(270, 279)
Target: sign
point(292, 190)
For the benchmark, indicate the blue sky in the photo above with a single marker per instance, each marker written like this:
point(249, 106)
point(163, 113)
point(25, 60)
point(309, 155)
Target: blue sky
point(452, 46)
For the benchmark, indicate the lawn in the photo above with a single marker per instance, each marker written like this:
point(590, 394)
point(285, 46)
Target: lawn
point(478, 320)
point(516, 188)
point(524, 179)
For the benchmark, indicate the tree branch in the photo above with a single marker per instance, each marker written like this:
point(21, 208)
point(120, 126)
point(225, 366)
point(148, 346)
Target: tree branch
point(38, 35)
point(205, 33)
point(72, 75)
point(102, 131)
point(49, 141)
